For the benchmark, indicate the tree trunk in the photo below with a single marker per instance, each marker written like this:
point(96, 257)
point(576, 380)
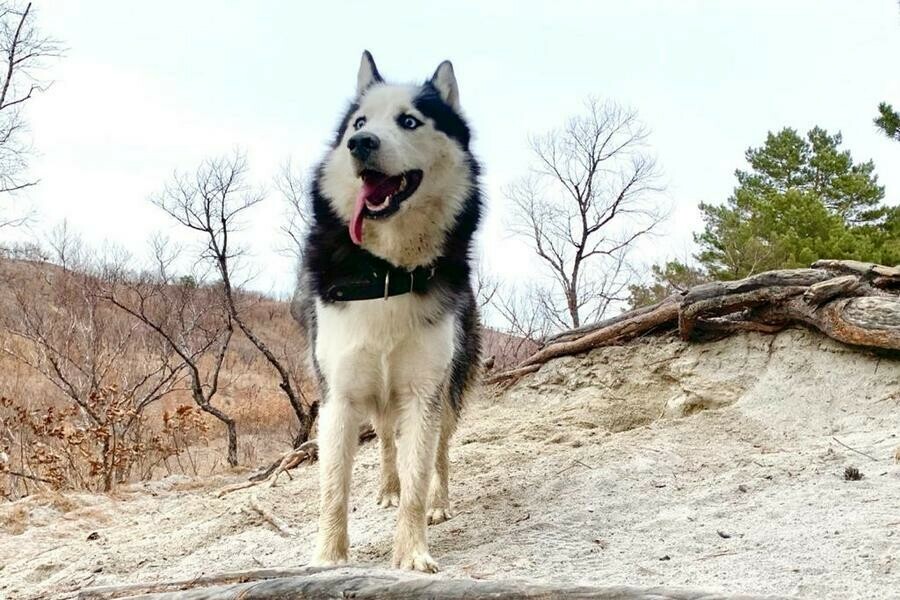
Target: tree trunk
point(109, 460)
point(572, 303)
point(230, 428)
point(306, 420)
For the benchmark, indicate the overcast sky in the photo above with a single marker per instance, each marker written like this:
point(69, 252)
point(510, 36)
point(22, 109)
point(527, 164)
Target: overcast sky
point(147, 88)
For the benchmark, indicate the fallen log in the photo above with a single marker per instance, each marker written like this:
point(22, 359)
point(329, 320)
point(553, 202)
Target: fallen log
point(852, 302)
point(726, 303)
point(823, 291)
point(872, 321)
point(380, 584)
point(573, 334)
point(665, 312)
point(515, 373)
point(865, 269)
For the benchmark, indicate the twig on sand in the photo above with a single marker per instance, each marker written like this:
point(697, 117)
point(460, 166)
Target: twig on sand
point(717, 554)
point(305, 452)
point(235, 487)
point(860, 452)
point(266, 514)
point(574, 464)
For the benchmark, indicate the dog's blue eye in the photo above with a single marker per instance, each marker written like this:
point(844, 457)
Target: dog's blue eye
point(359, 123)
point(408, 121)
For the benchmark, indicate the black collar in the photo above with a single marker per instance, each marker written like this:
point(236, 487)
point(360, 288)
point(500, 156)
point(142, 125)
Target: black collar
point(381, 281)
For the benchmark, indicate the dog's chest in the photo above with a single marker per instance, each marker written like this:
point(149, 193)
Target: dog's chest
point(378, 325)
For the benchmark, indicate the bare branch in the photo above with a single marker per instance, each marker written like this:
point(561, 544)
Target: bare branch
point(211, 203)
point(587, 201)
point(294, 190)
point(23, 53)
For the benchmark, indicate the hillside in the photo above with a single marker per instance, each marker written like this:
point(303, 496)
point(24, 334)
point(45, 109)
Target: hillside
point(716, 466)
point(42, 301)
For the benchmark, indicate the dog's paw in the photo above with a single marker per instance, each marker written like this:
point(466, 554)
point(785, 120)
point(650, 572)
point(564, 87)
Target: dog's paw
point(328, 561)
point(388, 499)
point(330, 555)
point(416, 561)
point(439, 515)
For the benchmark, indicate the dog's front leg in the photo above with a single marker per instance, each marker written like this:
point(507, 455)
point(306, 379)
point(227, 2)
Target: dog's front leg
point(389, 494)
point(338, 439)
point(419, 429)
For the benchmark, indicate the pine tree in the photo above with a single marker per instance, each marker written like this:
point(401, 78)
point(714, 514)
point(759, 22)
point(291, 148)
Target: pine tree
point(800, 200)
point(888, 121)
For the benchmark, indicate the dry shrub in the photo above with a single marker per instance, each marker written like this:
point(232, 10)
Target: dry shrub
point(182, 429)
point(15, 519)
point(58, 502)
point(55, 448)
point(90, 400)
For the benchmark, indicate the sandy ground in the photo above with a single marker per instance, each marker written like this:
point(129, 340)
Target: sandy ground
point(713, 466)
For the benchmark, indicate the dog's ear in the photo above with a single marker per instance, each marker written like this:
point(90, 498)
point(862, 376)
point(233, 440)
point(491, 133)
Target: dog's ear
point(368, 73)
point(445, 82)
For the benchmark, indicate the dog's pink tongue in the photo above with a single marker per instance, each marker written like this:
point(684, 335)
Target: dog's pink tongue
point(356, 223)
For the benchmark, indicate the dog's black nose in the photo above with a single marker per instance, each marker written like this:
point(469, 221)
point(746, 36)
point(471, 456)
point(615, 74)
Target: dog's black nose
point(362, 144)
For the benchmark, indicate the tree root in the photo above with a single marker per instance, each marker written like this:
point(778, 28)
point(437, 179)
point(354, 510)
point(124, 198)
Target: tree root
point(852, 302)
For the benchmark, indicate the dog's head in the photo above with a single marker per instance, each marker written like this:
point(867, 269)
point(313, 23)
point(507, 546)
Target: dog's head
point(399, 171)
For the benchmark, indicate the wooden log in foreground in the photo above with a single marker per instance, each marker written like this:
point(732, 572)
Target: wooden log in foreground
point(852, 302)
point(380, 584)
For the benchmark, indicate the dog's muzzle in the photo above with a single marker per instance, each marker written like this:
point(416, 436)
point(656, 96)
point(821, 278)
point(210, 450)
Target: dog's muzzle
point(362, 145)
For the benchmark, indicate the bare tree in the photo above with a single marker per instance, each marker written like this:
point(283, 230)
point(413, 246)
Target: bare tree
point(584, 204)
point(294, 189)
point(188, 317)
point(211, 202)
point(485, 286)
point(525, 312)
point(24, 50)
point(107, 370)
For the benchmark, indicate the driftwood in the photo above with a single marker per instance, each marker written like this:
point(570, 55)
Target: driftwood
point(305, 452)
point(379, 584)
point(853, 302)
point(623, 330)
point(574, 334)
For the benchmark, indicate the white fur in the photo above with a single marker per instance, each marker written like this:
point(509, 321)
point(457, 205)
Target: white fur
point(383, 360)
point(415, 235)
point(367, 75)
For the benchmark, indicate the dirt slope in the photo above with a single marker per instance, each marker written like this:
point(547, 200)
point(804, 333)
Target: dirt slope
point(713, 466)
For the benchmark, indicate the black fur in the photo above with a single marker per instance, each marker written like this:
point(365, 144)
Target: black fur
point(330, 255)
point(430, 103)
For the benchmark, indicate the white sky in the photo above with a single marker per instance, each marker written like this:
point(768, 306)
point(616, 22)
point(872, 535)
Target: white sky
point(147, 88)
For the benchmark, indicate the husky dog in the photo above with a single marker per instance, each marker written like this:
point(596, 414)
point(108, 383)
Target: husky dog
point(386, 301)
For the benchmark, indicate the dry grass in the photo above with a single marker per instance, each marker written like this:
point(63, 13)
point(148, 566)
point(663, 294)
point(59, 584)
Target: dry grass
point(14, 519)
point(40, 425)
point(44, 434)
point(58, 502)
